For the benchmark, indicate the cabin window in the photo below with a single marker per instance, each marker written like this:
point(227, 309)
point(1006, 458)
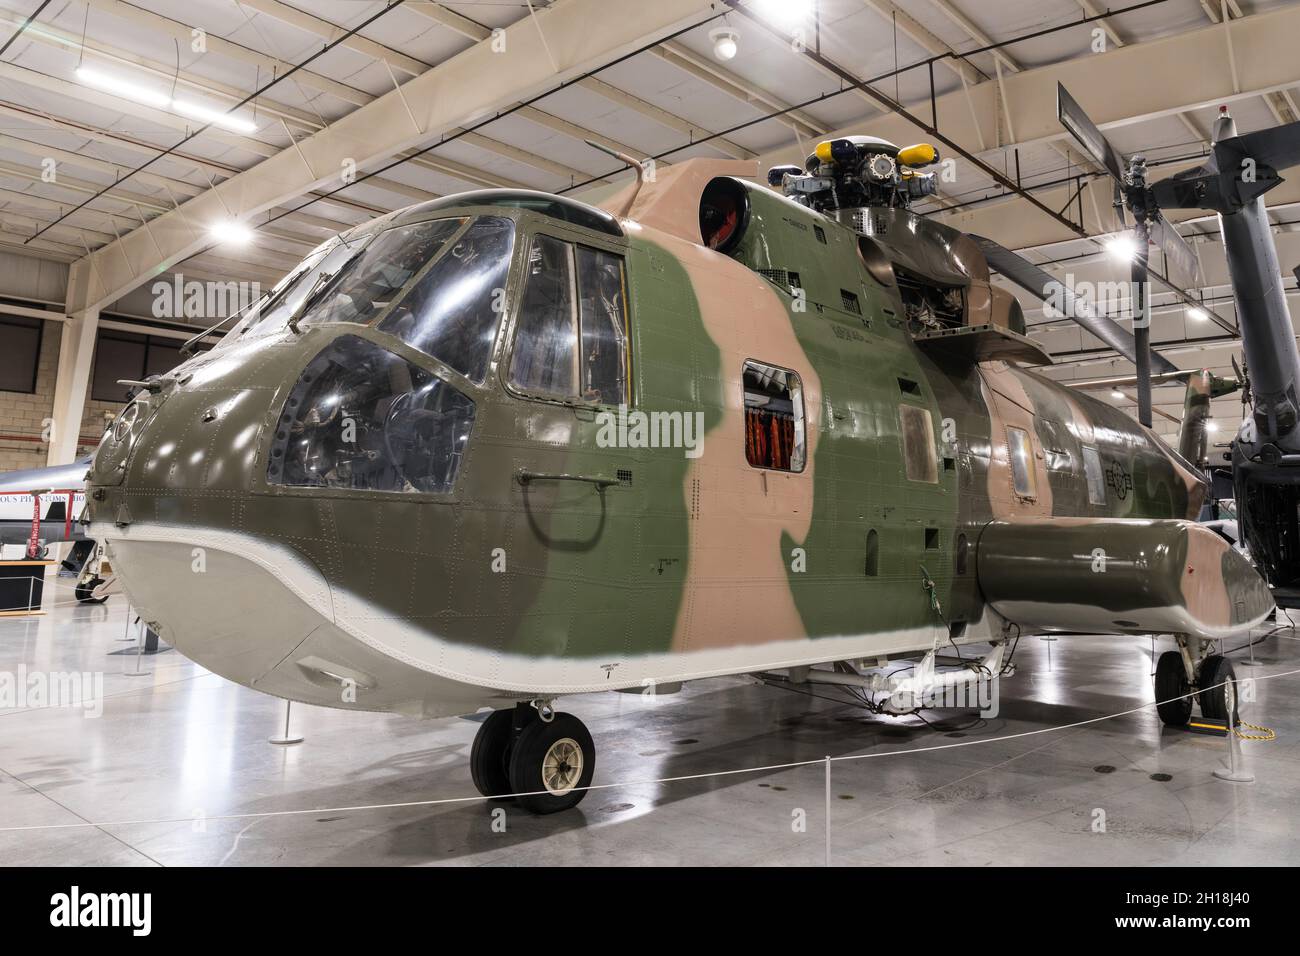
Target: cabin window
point(362, 418)
point(1021, 452)
point(873, 554)
point(452, 310)
point(774, 417)
point(920, 461)
point(1096, 478)
point(572, 334)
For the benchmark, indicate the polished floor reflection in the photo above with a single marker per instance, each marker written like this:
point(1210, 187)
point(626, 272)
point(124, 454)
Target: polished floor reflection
point(177, 770)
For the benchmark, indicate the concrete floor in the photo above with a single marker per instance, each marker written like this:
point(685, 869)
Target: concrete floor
point(184, 745)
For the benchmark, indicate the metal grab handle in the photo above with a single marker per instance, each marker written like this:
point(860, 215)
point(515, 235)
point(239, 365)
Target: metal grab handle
point(601, 483)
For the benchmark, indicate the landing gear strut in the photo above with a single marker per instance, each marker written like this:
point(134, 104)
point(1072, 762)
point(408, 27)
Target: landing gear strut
point(546, 758)
point(1188, 669)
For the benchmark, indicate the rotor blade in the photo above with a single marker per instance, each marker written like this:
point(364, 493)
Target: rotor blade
point(1181, 295)
point(1278, 147)
point(1043, 285)
point(1093, 141)
point(1219, 386)
point(1183, 266)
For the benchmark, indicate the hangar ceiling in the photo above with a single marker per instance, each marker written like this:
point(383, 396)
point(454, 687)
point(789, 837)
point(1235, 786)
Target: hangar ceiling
point(428, 99)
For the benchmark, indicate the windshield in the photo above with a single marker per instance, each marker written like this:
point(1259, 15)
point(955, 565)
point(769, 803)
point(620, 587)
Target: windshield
point(274, 310)
point(371, 281)
point(452, 309)
point(439, 286)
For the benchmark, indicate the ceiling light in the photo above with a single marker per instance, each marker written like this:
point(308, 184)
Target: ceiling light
point(724, 42)
point(123, 88)
point(1211, 426)
point(1116, 393)
point(1197, 315)
point(1121, 247)
point(231, 232)
point(785, 13)
point(207, 114)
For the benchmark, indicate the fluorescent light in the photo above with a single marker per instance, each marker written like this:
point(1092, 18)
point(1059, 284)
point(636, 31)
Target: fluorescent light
point(1197, 315)
point(1116, 393)
point(230, 121)
point(231, 232)
point(1121, 247)
point(123, 88)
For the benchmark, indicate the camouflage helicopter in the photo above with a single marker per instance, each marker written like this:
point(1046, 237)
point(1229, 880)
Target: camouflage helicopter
point(504, 447)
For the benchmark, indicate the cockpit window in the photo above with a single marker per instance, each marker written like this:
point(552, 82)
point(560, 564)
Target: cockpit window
point(452, 310)
point(546, 343)
point(363, 418)
point(572, 332)
point(288, 295)
point(370, 282)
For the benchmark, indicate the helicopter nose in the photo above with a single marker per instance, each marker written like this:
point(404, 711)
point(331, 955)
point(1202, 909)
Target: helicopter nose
point(167, 497)
point(223, 562)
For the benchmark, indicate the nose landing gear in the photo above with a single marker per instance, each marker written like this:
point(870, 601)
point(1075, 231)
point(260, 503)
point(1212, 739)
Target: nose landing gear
point(1189, 668)
point(546, 758)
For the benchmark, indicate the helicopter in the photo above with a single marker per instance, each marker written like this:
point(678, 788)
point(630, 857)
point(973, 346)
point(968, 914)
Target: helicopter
point(449, 465)
point(1231, 182)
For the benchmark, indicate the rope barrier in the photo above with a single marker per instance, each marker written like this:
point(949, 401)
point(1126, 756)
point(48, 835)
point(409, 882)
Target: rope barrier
point(478, 798)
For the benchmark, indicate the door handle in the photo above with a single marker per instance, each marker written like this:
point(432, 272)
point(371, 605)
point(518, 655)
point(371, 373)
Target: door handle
point(601, 482)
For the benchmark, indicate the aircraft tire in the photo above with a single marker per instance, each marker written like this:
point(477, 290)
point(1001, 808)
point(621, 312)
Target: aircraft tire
point(85, 593)
point(489, 758)
point(557, 758)
point(1219, 699)
point(1171, 682)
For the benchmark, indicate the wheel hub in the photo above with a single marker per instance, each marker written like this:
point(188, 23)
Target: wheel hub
point(562, 766)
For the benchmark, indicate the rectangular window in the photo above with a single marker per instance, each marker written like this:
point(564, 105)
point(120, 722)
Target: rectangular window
point(572, 333)
point(127, 355)
point(20, 349)
point(1022, 461)
point(1096, 479)
point(602, 323)
point(774, 418)
point(920, 460)
point(118, 355)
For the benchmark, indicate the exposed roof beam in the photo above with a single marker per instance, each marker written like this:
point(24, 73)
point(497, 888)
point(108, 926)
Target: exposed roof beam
point(477, 32)
point(85, 161)
point(181, 32)
point(78, 92)
point(1118, 87)
point(65, 40)
point(330, 32)
point(735, 86)
point(399, 120)
point(205, 167)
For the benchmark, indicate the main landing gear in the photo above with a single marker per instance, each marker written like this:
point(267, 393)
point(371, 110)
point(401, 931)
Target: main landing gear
point(543, 758)
point(1188, 669)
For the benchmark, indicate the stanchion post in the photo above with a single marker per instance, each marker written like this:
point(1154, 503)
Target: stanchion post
point(1235, 773)
point(828, 809)
point(286, 737)
point(139, 652)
